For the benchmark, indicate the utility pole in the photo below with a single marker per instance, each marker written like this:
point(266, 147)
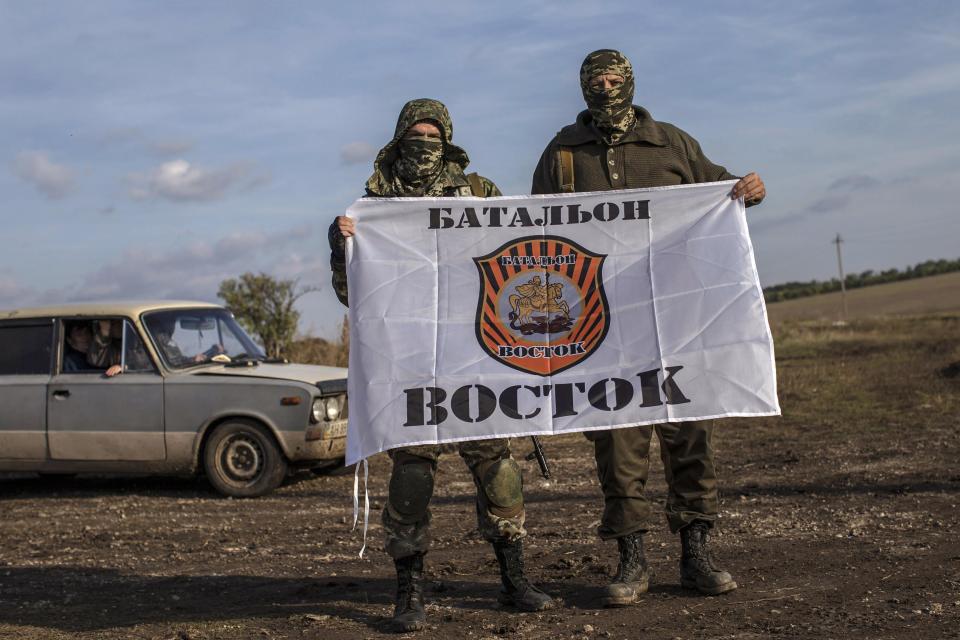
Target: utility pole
point(843, 285)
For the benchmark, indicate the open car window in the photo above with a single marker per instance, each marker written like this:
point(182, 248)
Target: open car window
point(84, 351)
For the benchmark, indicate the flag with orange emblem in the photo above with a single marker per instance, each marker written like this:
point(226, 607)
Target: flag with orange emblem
point(480, 318)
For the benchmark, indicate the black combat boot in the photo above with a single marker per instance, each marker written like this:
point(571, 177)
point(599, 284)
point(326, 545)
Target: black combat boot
point(408, 614)
point(632, 577)
point(517, 590)
point(697, 570)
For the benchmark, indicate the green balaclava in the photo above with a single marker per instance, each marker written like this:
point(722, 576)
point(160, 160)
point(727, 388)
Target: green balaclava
point(612, 110)
point(419, 161)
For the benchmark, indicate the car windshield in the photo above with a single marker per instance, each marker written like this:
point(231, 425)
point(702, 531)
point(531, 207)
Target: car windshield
point(188, 337)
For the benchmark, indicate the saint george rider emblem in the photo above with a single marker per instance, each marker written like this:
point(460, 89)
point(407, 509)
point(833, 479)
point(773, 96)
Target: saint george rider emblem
point(542, 308)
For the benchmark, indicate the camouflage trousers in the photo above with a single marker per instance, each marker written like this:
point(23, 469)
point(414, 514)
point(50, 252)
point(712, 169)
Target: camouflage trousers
point(623, 462)
point(406, 516)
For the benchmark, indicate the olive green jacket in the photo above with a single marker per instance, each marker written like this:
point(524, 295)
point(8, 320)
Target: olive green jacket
point(654, 154)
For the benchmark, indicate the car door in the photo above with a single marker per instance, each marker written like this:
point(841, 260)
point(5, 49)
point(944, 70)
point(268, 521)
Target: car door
point(26, 348)
point(94, 417)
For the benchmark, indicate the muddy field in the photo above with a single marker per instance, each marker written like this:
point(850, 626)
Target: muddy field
point(839, 520)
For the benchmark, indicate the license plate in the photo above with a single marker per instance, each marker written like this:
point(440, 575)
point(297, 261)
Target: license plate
point(335, 430)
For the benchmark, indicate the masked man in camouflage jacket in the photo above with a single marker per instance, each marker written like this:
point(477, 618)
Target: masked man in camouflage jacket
point(421, 160)
point(615, 144)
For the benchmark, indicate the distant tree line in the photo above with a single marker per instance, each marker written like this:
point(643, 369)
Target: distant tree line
point(791, 290)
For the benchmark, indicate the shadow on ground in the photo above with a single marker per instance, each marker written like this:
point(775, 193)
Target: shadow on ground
point(94, 599)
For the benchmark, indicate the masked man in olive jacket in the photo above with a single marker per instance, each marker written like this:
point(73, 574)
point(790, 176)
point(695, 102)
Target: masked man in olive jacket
point(421, 160)
point(615, 144)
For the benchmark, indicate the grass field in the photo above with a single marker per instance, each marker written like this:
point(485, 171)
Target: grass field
point(910, 297)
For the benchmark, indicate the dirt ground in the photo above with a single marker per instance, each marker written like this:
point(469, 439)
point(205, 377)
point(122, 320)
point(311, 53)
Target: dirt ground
point(839, 520)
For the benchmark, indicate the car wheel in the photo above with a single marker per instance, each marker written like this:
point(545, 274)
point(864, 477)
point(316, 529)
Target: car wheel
point(241, 459)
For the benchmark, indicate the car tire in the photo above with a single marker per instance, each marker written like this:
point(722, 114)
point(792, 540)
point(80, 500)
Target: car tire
point(242, 460)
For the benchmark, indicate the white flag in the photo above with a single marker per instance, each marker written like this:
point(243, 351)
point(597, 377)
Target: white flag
point(476, 318)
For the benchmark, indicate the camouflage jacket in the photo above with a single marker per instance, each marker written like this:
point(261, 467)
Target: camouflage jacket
point(653, 154)
point(453, 177)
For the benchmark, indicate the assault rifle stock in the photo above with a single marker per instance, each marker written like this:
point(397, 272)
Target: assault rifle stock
point(540, 457)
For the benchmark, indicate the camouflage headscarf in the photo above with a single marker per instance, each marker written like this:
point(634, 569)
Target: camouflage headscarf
point(612, 110)
point(420, 162)
point(411, 172)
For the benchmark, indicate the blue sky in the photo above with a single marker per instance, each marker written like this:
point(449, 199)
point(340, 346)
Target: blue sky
point(154, 149)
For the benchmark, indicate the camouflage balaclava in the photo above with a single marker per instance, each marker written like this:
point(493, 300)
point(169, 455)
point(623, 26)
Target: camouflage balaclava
point(418, 166)
point(420, 161)
point(612, 110)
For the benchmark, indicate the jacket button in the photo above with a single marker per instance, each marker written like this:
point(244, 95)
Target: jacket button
point(611, 162)
point(616, 176)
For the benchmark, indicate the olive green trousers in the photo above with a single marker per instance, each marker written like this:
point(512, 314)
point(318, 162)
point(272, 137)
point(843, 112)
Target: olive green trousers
point(623, 462)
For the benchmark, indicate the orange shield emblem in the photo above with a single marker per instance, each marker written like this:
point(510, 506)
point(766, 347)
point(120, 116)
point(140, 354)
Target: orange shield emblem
point(542, 308)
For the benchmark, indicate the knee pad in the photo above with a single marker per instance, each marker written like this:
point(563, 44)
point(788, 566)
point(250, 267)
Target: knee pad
point(411, 487)
point(503, 486)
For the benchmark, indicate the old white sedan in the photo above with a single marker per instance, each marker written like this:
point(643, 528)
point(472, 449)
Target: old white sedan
point(160, 387)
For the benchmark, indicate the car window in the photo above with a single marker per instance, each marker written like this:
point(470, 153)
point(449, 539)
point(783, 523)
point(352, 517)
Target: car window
point(188, 337)
point(83, 353)
point(25, 349)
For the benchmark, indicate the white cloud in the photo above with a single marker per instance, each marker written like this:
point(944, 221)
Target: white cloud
point(192, 271)
point(49, 178)
point(179, 181)
point(357, 153)
point(195, 270)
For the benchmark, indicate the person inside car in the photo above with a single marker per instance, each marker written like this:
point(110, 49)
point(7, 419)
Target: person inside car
point(163, 329)
point(77, 343)
point(106, 349)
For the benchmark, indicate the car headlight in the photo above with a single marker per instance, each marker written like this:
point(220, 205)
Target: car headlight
point(326, 409)
point(332, 408)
